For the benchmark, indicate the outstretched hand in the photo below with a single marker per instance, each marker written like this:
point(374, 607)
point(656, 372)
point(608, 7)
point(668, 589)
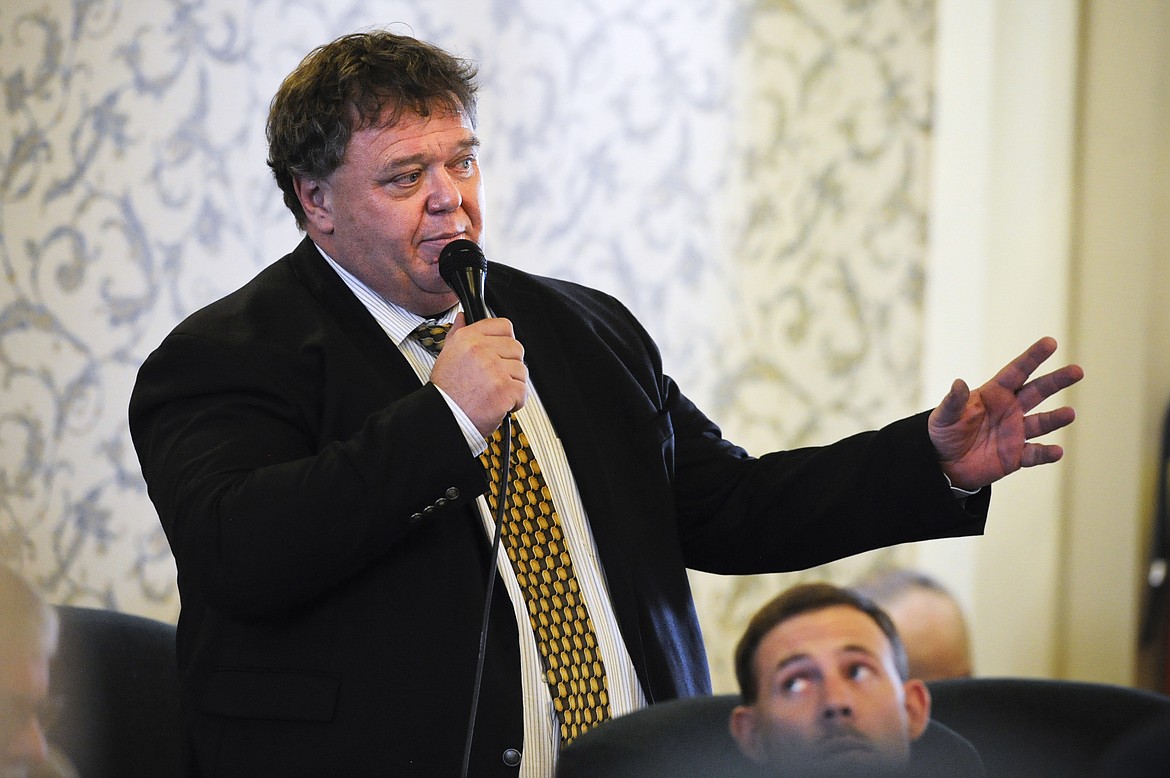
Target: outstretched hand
point(983, 435)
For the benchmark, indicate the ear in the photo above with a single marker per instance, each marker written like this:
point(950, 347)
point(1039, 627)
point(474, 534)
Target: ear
point(917, 707)
point(317, 201)
point(743, 726)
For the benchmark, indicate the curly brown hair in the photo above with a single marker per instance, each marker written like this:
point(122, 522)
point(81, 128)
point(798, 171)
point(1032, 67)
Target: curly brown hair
point(357, 81)
point(799, 599)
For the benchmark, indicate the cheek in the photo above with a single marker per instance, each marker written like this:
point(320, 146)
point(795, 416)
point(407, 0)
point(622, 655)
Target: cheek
point(888, 723)
point(784, 738)
point(387, 229)
point(791, 721)
point(472, 194)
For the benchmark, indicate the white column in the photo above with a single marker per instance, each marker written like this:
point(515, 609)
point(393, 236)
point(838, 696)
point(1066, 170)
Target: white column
point(998, 279)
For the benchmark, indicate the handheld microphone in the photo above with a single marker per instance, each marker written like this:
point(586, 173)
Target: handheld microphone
point(464, 267)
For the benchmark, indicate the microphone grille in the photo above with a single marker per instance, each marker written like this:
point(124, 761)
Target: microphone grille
point(459, 255)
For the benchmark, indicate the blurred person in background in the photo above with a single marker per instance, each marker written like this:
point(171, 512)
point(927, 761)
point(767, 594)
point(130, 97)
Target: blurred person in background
point(28, 640)
point(929, 620)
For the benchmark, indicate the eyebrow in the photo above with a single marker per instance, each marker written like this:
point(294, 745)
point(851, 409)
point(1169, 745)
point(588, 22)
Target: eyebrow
point(468, 144)
point(852, 649)
point(848, 649)
point(789, 661)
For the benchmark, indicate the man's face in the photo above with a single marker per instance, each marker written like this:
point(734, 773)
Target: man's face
point(830, 699)
point(24, 684)
point(401, 193)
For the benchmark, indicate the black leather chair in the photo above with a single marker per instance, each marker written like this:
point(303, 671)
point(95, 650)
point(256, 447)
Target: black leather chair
point(689, 738)
point(1034, 728)
point(1144, 753)
point(115, 674)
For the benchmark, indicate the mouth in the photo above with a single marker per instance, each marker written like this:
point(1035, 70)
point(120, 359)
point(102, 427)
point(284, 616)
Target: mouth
point(845, 745)
point(431, 246)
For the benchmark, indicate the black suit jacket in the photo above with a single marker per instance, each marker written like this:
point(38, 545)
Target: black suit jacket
point(319, 504)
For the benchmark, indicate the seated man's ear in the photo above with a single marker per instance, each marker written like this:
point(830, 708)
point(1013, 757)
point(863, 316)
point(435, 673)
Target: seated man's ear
point(917, 707)
point(744, 728)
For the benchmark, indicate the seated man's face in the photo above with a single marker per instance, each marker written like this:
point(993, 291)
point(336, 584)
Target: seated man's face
point(830, 698)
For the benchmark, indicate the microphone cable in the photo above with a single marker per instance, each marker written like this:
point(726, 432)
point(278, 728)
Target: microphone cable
point(493, 567)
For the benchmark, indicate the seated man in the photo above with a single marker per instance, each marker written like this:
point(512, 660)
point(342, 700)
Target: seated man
point(826, 690)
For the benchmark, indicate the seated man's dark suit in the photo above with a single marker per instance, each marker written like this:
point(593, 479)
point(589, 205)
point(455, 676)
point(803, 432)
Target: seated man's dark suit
point(319, 502)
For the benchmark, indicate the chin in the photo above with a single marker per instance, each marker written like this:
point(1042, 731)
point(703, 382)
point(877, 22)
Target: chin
point(860, 764)
point(852, 760)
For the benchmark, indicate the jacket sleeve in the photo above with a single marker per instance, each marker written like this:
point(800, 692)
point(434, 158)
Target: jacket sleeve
point(795, 509)
point(259, 502)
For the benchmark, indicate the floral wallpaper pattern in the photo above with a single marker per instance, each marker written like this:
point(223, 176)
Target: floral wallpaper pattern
point(750, 177)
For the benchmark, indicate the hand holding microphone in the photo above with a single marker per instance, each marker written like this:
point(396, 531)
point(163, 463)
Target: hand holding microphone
point(482, 365)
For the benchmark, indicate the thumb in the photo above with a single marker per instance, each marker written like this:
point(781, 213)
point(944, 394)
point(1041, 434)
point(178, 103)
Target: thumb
point(950, 410)
point(459, 323)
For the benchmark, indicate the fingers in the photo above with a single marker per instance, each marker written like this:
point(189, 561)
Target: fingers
point(481, 368)
point(1038, 424)
point(1040, 454)
point(1042, 423)
point(1035, 392)
point(487, 339)
point(496, 327)
point(1015, 374)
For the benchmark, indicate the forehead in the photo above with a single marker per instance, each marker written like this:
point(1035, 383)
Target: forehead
point(410, 129)
point(822, 632)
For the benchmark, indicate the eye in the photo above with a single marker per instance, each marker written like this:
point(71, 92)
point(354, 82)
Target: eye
point(860, 672)
point(795, 684)
point(465, 165)
point(407, 179)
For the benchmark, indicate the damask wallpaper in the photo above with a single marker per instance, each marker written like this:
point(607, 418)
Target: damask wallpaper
point(749, 177)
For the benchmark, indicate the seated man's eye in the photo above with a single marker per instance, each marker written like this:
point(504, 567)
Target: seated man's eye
point(860, 672)
point(795, 685)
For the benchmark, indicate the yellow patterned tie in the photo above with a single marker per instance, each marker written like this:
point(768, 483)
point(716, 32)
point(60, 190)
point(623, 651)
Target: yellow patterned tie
point(535, 542)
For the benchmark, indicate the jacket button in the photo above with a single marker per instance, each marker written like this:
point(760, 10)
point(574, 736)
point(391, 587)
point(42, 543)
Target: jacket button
point(511, 757)
point(453, 494)
point(415, 518)
point(441, 502)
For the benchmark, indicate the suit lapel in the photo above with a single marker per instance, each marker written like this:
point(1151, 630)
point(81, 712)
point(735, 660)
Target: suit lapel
point(355, 322)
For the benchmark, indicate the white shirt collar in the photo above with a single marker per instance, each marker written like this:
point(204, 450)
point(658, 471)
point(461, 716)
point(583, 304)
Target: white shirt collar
point(395, 320)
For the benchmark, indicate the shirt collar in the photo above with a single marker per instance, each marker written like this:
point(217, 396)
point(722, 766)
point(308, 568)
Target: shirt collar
point(396, 321)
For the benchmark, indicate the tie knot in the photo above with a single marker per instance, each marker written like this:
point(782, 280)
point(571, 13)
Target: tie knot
point(431, 335)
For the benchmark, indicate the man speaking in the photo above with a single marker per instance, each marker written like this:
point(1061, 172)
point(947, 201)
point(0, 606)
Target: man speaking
point(329, 461)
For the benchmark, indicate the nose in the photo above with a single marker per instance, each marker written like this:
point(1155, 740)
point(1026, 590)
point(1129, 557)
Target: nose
point(444, 195)
point(838, 702)
point(837, 710)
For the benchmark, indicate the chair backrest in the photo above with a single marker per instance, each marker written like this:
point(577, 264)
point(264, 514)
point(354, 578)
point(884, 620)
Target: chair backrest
point(1039, 727)
point(689, 738)
point(686, 737)
point(117, 678)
